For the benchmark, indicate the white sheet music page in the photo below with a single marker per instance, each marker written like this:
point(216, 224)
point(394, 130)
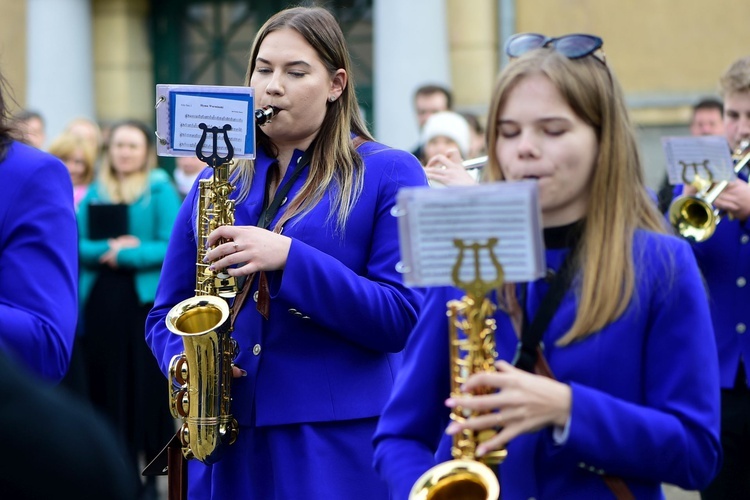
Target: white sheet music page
point(430, 220)
point(214, 112)
point(705, 156)
point(181, 109)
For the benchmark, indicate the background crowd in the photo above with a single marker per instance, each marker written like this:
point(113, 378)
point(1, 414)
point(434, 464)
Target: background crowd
point(121, 207)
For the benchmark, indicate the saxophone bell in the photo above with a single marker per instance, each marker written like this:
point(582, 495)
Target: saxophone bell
point(198, 376)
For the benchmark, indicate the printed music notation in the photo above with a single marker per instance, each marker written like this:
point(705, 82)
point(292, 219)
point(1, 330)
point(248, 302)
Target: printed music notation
point(690, 155)
point(431, 219)
point(190, 111)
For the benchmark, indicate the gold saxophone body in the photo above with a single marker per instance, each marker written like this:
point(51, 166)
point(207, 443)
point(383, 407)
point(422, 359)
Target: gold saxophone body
point(474, 351)
point(200, 377)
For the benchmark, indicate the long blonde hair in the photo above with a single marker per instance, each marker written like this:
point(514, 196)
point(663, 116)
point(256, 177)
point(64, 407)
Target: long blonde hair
point(335, 161)
point(129, 189)
point(618, 202)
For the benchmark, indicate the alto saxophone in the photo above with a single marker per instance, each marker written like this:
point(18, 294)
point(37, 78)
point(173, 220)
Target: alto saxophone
point(200, 377)
point(472, 350)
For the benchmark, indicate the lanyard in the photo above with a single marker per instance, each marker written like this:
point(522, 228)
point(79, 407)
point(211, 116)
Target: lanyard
point(532, 332)
point(270, 210)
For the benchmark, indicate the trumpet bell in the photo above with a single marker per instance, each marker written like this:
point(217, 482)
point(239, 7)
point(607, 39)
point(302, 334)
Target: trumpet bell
point(457, 480)
point(693, 218)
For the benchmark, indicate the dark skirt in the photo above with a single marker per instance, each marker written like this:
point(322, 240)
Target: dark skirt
point(124, 379)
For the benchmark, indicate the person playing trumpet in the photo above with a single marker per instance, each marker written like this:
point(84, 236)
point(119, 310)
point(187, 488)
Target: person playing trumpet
point(724, 260)
point(634, 400)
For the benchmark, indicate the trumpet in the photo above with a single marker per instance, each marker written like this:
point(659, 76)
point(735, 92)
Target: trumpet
point(475, 163)
point(694, 216)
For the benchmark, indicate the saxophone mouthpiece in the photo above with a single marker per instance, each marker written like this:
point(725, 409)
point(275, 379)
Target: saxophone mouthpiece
point(263, 115)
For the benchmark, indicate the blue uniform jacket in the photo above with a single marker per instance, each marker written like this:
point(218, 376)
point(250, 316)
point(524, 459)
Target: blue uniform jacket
point(38, 261)
point(645, 397)
point(724, 260)
point(339, 313)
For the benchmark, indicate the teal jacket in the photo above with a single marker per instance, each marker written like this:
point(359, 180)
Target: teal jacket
point(150, 218)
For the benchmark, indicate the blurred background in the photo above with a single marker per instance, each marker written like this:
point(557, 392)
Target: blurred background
point(100, 59)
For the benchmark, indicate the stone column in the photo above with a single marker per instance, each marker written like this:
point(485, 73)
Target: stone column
point(59, 62)
point(410, 45)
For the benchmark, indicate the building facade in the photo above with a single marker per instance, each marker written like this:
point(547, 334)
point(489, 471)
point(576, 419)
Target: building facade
point(102, 58)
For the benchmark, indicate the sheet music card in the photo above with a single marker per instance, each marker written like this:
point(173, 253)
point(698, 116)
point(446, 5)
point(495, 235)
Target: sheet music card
point(707, 156)
point(430, 220)
point(180, 109)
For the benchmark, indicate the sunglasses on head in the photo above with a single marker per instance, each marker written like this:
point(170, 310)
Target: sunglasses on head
point(573, 46)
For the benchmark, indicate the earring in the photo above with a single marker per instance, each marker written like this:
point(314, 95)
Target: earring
point(331, 99)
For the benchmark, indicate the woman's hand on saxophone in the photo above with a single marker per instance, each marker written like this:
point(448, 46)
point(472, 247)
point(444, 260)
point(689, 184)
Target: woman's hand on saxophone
point(524, 402)
point(253, 248)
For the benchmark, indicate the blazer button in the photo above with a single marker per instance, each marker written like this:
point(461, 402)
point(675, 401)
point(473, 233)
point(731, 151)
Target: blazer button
point(744, 239)
point(292, 310)
point(740, 328)
point(305, 317)
point(741, 282)
point(255, 296)
point(256, 349)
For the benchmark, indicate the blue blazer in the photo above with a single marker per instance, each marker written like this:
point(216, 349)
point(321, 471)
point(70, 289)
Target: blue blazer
point(645, 397)
point(339, 314)
point(724, 260)
point(38, 261)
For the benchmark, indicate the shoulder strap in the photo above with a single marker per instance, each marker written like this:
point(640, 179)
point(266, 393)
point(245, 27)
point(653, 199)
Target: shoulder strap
point(264, 295)
point(532, 332)
point(539, 365)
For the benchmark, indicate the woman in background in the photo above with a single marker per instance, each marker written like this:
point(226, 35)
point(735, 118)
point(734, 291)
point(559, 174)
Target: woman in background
point(80, 158)
point(121, 259)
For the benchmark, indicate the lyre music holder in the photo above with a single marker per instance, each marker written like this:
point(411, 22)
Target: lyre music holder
point(214, 159)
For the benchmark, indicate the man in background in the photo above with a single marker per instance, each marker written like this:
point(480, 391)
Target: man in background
point(428, 100)
point(707, 119)
point(30, 126)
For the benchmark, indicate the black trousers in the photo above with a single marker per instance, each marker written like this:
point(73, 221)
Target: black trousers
point(733, 480)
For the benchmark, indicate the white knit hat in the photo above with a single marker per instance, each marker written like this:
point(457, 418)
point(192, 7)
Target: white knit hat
point(451, 125)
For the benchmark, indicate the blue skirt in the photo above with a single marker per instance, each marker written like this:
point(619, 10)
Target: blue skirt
point(325, 460)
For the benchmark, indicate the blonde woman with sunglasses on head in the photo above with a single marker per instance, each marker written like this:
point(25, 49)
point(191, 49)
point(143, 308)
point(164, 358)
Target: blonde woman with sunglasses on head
point(630, 399)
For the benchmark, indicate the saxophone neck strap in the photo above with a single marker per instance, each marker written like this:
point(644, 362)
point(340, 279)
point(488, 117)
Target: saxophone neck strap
point(532, 332)
point(271, 209)
point(269, 213)
point(239, 299)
